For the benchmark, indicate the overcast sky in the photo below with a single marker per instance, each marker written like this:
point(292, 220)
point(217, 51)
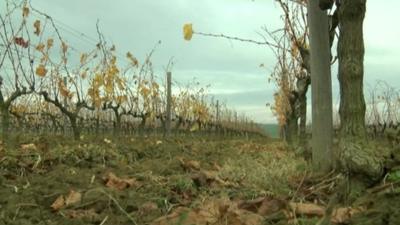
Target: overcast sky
point(231, 68)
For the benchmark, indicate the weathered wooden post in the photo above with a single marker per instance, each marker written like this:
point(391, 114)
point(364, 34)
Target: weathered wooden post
point(217, 123)
point(169, 104)
point(65, 103)
point(321, 88)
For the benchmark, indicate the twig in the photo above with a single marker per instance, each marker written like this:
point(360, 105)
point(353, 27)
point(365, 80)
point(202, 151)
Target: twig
point(104, 220)
point(237, 39)
point(300, 185)
point(382, 187)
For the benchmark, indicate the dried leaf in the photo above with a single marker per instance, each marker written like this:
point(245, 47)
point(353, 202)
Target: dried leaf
point(21, 42)
point(343, 215)
point(73, 198)
point(63, 89)
point(89, 214)
point(64, 47)
point(115, 182)
point(147, 208)
point(263, 206)
point(220, 211)
point(189, 164)
point(29, 147)
point(25, 11)
point(83, 59)
point(187, 31)
point(36, 25)
point(40, 47)
point(41, 70)
point(58, 203)
point(133, 60)
point(50, 43)
point(307, 209)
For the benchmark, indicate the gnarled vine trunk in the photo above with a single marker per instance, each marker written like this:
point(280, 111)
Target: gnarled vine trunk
point(351, 68)
point(5, 121)
point(357, 157)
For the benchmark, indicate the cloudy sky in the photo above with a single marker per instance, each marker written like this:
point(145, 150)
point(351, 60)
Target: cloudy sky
point(231, 68)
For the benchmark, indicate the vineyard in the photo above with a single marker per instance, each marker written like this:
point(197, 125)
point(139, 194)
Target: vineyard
point(48, 86)
point(102, 136)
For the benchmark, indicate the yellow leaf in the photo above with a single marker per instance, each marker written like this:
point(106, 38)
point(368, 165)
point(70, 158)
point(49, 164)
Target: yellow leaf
point(40, 47)
point(145, 91)
point(98, 80)
point(25, 11)
point(73, 198)
point(41, 70)
point(83, 58)
point(109, 87)
point(37, 27)
point(64, 47)
point(120, 83)
point(121, 99)
point(50, 42)
point(133, 60)
point(63, 89)
point(58, 203)
point(187, 31)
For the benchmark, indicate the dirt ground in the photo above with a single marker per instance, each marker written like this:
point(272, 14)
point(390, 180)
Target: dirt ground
point(179, 180)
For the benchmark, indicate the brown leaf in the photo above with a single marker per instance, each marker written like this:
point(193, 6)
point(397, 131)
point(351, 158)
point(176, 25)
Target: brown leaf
point(28, 147)
point(41, 70)
point(210, 178)
point(263, 206)
point(271, 206)
point(37, 27)
point(343, 215)
point(25, 11)
point(147, 208)
point(308, 209)
point(189, 165)
point(89, 214)
point(113, 181)
point(251, 205)
point(218, 212)
point(58, 203)
point(73, 197)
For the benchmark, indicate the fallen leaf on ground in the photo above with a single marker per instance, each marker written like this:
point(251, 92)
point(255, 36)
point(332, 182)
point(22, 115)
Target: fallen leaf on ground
point(147, 208)
point(343, 215)
point(189, 165)
point(73, 197)
point(113, 181)
point(217, 212)
point(89, 214)
point(263, 206)
point(28, 147)
point(58, 203)
point(308, 209)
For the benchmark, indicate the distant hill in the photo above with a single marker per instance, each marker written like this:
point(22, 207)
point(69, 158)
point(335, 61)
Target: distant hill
point(271, 129)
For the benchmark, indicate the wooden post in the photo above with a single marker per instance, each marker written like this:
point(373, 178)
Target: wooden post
point(65, 103)
point(321, 88)
point(169, 104)
point(217, 123)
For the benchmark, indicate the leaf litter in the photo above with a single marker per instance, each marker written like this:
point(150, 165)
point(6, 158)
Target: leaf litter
point(174, 181)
